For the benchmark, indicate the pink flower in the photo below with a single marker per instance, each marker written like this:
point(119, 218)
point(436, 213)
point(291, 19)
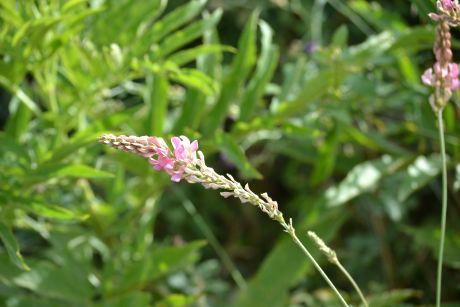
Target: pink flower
point(158, 152)
point(183, 150)
point(173, 163)
point(447, 74)
point(447, 4)
point(163, 160)
point(184, 153)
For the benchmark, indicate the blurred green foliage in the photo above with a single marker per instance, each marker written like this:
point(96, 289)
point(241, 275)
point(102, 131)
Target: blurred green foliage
point(318, 103)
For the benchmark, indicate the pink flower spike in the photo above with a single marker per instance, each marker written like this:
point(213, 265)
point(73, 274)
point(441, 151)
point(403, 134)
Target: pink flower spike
point(174, 162)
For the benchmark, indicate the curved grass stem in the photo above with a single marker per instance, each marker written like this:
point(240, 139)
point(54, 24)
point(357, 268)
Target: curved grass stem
point(353, 282)
point(444, 209)
point(291, 231)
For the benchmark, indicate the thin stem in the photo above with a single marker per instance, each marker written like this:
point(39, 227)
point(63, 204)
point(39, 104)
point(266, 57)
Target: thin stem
point(353, 282)
point(294, 237)
point(444, 208)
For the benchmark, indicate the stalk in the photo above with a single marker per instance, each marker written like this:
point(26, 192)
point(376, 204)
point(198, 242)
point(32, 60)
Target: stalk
point(444, 208)
point(332, 257)
point(353, 282)
point(291, 231)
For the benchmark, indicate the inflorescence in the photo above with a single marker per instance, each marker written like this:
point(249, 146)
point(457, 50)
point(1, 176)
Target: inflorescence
point(186, 162)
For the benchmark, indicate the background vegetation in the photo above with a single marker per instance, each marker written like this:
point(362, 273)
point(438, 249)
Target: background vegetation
point(319, 103)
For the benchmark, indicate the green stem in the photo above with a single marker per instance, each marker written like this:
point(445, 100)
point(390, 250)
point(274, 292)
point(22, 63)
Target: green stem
point(294, 237)
point(444, 208)
point(353, 282)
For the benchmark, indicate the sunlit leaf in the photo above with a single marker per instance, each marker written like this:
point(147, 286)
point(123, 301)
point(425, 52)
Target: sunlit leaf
point(189, 33)
point(185, 56)
point(241, 66)
point(66, 170)
point(363, 178)
point(12, 247)
point(176, 300)
point(266, 66)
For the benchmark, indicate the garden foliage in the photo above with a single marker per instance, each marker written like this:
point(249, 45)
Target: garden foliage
point(319, 103)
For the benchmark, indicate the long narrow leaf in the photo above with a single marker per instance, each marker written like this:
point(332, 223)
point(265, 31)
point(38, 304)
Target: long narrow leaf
point(188, 34)
point(156, 98)
point(241, 66)
point(12, 247)
point(265, 68)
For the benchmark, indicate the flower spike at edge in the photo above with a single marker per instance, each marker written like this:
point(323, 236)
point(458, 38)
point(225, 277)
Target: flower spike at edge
point(444, 78)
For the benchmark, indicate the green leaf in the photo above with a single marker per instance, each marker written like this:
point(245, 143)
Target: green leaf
point(315, 88)
point(195, 101)
point(400, 185)
point(185, 56)
point(414, 39)
point(188, 34)
point(160, 262)
point(363, 178)
point(156, 98)
point(34, 30)
point(393, 298)
point(195, 79)
point(364, 53)
point(241, 66)
point(19, 119)
point(71, 4)
point(28, 102)
point(345, 10)
point(319, 84)
point(191, 111)
point(416, 175)
point(12, 247)
point(375, 141)
point(340, 37)
point(38, 207)
point(48, 171)
point(266, 66)
point(378, 17)
point(293, 73)
point(122, 20)
point(51, 211)
point(327, 154)
point(8, 144)
point(79, 141)
point(134, 298)
point(176, 300)
point(68, 282)
point(9, 13)
point(235, 154)
point(169, 23)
